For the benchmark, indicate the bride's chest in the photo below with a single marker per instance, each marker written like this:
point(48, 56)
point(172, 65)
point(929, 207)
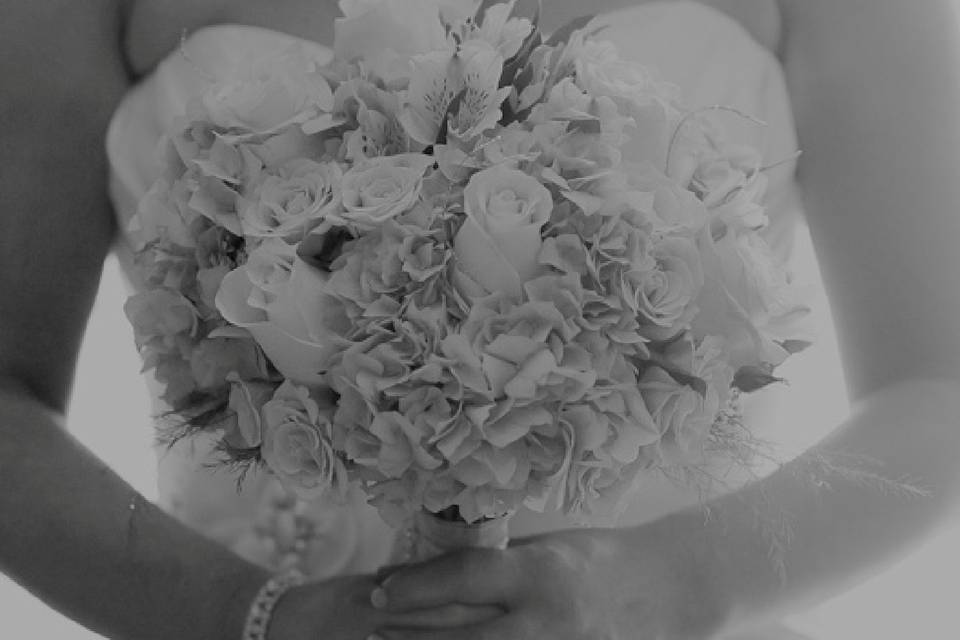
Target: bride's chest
point(155, 27)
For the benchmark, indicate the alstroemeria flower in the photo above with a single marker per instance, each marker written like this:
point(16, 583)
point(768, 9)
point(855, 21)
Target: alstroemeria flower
point(376, 113)
point(499, 241)
point(385, 34)
point(470, 74)
point(504, 33)
point(216, 179)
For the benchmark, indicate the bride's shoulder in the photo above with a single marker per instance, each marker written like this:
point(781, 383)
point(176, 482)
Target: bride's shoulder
point(760, 18)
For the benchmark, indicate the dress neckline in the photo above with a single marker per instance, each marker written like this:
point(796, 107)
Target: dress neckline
point(230, 29)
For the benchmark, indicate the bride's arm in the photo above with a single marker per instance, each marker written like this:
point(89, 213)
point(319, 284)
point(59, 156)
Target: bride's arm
point(71, 531)
point(876, 86)
point(68, 533)
point(876, 92)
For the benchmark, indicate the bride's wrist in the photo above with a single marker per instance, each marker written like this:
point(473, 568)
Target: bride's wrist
point(705, 593)
point(727, 562)
point(242, 589)
point(265, 603)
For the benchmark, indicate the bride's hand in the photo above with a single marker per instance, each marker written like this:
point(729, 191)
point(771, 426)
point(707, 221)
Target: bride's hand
point(340, 609)
point(648, 582)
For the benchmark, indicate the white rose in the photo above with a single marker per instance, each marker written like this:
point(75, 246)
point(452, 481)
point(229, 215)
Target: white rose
point(266, 95)
point(499, 242)
point(602, 73)
point(386, 34)
point(292, 201)
point(747, 299)
point(269, 297)
point(296, 443)
point(666, 294)
point(380, 188)
point(502, 31)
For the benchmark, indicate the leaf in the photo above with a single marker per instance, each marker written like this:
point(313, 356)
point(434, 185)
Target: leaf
point(562, 35)
point(697, 384)
point(512, 68)
point(452, 109)
point(753, 378)
point(521, 59)
point(523, 78)
point(321, 249)
point(521, 9)
point(795, 346)
point(588, 126)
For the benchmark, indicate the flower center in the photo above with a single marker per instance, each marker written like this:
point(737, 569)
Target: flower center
point(506, 203)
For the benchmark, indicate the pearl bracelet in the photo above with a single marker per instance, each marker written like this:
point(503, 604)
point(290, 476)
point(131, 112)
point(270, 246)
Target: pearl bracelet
point(261, 610)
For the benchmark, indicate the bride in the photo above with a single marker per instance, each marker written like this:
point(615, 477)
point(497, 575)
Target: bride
point(878, 131)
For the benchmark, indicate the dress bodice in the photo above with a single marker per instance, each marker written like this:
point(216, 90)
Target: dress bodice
point(712, 59)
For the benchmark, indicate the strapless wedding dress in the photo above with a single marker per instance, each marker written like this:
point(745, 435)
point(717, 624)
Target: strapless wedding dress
point(710, 57)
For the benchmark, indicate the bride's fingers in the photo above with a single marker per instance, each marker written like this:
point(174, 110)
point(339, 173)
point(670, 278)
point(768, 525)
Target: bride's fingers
point(450, 615)
point(472, 576)
point(505, 628)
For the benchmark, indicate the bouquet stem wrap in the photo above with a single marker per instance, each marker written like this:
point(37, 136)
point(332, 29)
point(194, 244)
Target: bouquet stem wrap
point(428, 536)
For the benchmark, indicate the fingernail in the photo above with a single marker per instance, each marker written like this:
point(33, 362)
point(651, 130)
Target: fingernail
point(378, 598)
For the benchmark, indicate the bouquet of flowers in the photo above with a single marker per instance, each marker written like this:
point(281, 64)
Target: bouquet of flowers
point(463, 264)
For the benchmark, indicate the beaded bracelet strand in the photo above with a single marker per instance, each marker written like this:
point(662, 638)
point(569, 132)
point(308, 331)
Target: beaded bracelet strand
point(261, 609)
